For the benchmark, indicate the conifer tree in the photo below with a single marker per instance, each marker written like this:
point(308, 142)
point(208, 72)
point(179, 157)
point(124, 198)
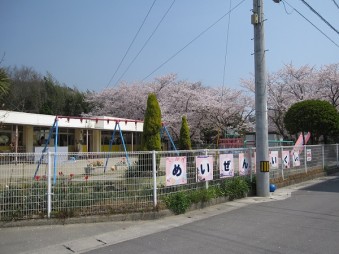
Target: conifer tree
point(152, 125)
point(184, 139)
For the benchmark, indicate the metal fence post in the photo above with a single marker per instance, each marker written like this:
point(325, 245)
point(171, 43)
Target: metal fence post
point(323, 154)
point(337, 154)
point(305, 158)
point(282, 162)
point(154, 166)
point(206, 183)
point(49, 186)
point(250, 162)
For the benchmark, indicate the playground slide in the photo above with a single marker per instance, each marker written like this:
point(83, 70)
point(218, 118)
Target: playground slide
point(300, 139)
point(298, 145)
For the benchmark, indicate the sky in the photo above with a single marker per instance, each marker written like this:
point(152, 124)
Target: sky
point(82, 42)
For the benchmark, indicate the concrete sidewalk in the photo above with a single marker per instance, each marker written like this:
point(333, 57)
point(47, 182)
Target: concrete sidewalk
point(79, 238)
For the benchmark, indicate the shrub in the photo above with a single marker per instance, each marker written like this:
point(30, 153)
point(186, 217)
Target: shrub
point(203, 195)
point(17, 202)
point(138, 171)
point(235, 188)
point(178, 202)
point(252, 184)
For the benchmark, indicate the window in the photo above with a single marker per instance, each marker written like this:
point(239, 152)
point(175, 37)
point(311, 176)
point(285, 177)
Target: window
point(8, 133)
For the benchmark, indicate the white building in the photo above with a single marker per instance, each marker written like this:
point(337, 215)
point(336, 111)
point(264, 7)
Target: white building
point(22, 132)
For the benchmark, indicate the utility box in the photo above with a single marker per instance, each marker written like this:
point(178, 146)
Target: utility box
point(254, 19)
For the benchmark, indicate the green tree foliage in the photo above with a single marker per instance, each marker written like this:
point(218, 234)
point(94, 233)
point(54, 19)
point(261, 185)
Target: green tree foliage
point(30, 92)
point(4, 83)
point(55, 99)
point(184, 139)
point(209, 134)
point(315, 116)
point(152, 125)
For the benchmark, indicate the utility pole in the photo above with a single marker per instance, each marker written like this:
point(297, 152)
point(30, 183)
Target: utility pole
point(261, 126)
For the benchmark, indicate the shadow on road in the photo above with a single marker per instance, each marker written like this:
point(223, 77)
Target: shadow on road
point(331, 185)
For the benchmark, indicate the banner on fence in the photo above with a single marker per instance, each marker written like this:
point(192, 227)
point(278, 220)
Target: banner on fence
point(309, 154)
point(274, 159)
point(286, 159)
point(244, 164)
point(176, 170)
point(226, 165)
point(204, 166)
point(296, 159)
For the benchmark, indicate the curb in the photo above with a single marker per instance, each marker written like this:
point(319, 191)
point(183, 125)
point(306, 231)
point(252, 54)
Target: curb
point(88, 219)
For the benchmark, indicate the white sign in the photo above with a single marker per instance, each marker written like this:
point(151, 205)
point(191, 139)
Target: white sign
point(226, 165)
point(296, 159)
point(286, 159)
point(176, 171)
point(244, 164)
point(309, 154)
point(62, 157)
point(274, 159)
point(204, 166)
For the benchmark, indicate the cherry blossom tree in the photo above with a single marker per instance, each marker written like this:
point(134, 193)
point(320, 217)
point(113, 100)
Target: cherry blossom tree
point(299, 83)
point(328, 79)
point(291, 84)
point(204, 107)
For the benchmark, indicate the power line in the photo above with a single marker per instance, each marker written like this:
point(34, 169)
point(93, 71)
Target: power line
point(312, 24)
point(193, 40)
point(336, 4)
point(321, 17)
point(130, 45)
point(226, 50)
point(287, 12)
point(146, 42)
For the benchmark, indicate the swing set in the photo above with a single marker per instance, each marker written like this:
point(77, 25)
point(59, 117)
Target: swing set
point(55, 130)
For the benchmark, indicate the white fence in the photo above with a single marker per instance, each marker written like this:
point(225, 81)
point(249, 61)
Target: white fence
point(69, 184)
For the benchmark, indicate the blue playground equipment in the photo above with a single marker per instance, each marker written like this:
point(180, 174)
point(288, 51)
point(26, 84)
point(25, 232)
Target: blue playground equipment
point(164, 129)
point(111, 144)
point(54, 130)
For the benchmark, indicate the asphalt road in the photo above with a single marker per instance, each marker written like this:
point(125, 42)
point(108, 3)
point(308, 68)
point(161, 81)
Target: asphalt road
point(307, 222)
point(303, 218)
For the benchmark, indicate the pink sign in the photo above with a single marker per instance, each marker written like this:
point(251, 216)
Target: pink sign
point(204, 166)
point(176, 171)
point(296, 159)
point(309, 154)
point(244, 164)
point(226, 165)
point(274, 164)
point(286, 159)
